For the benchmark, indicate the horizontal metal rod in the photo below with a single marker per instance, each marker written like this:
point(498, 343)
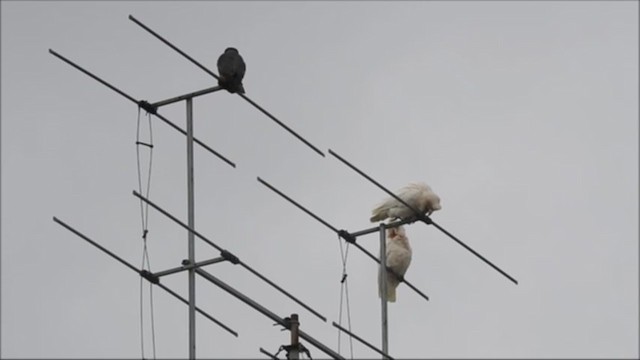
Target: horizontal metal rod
point(159, 116)
point(240, 262)
point(176, 220)
point(281, 124)
point(196, 140)
point(172, 46)
point(187, 267)
point(127, 264)
point(373, 257)
point(283, 291)
point(202, 312)
point(190, 95)
point(84, 237)
point(422, 217)
point(270, 355)
point(377, 228)
point(268, 313)
point(340, 233)
point(363, 341)
point(216, 76)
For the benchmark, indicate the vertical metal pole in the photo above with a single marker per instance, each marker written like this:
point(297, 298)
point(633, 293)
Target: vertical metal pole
point(383, 288)
point(294, 352)
point(191, 207)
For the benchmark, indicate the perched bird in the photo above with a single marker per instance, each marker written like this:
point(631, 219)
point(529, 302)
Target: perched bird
point(398, 260)
point(231, 69)
point(417, 194)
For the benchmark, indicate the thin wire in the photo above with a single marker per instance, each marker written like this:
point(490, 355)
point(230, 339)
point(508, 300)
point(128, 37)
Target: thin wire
point(344, 290)
point(144, 216)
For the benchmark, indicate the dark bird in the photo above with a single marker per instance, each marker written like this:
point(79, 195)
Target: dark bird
point(231, 69)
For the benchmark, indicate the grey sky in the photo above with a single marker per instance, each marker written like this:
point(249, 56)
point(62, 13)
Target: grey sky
point(522, 116)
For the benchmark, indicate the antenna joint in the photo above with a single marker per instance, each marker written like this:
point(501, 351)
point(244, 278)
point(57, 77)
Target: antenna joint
point(150, 276)
point(230, 257)
point(148, 107)
point(347, 236)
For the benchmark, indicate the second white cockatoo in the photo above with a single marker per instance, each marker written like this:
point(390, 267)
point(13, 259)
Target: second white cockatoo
point(398, 260)
point(417, 194)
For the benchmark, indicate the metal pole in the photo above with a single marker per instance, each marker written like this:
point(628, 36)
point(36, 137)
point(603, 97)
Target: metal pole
point(294, 352)
point(383, 289)
point(191, 273)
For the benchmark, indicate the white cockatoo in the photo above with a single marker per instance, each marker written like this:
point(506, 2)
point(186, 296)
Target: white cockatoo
point(398, 260)
point(417, 194)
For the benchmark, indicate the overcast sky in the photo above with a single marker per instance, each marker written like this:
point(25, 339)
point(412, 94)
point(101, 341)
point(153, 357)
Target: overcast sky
point(522, 116)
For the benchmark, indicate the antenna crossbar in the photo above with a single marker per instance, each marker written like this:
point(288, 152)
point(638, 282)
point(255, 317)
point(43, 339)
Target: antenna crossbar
point(363, 341)
point(225, 253)
point(188, 267)
point(423, 218)
point(270, 355)
point(141, 273)
point(142, 104)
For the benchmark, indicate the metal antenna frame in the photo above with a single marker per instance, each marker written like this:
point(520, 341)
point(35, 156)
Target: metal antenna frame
point(193, 267)
point(351, 239)
point(226, 254)
point(387, 356)
point(270, 355)
point(166, 42)
point(188, 265)
point(266, 312)
point(417, 216)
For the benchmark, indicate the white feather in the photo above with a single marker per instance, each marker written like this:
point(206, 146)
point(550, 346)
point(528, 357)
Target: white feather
point(417, 194)
point(398, 260)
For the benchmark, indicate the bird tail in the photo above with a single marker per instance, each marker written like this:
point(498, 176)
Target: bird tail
point(378, 214)
point(391, 293)
point(391, 288)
